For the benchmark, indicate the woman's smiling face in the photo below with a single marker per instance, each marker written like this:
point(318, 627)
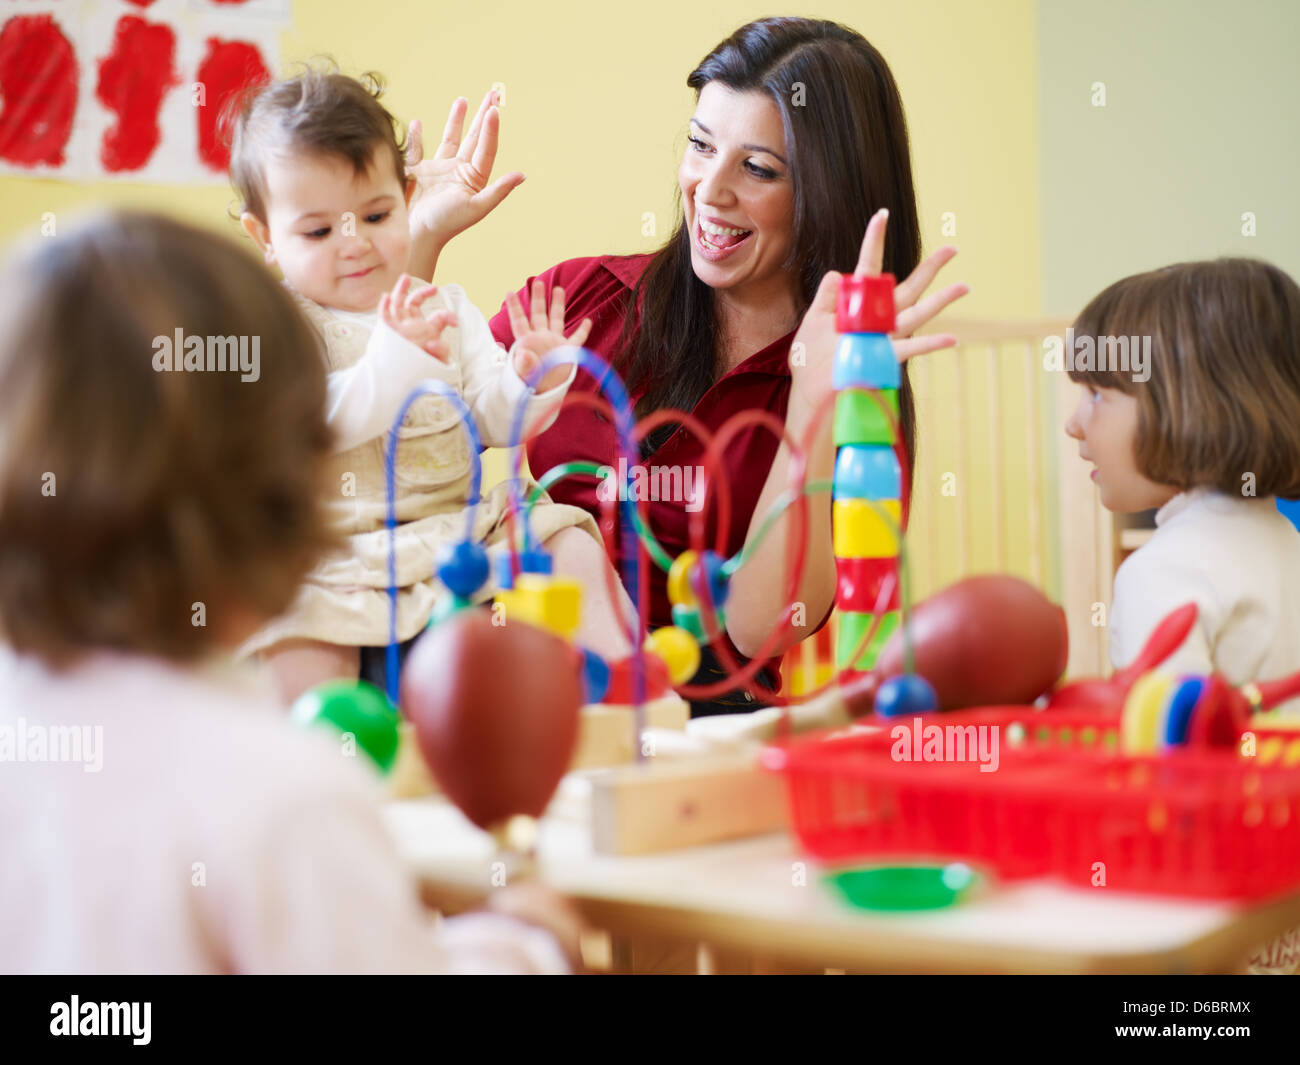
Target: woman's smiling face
point(738, 191)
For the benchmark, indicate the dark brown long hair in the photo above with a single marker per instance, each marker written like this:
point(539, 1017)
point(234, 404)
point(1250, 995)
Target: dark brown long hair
point(849, 156)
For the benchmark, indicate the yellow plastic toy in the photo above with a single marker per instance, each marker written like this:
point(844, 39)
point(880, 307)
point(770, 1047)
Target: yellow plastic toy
point(550, 603)
point(866, 528)
point(678, 649)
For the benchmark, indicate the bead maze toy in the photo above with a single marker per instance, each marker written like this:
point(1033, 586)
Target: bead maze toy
point(1122, 769)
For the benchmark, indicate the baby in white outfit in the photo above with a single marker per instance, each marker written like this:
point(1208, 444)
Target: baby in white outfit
point(318, 166)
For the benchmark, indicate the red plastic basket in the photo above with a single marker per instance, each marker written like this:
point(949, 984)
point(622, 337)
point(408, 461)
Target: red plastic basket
point(1195, 823)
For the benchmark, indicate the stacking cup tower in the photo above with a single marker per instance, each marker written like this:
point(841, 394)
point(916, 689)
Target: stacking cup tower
point(867, 489)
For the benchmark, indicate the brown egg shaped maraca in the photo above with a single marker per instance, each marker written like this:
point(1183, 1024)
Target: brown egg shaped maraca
point(991, 640)
point(495, 710)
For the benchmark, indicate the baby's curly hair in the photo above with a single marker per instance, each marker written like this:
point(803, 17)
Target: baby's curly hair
point(319, 111)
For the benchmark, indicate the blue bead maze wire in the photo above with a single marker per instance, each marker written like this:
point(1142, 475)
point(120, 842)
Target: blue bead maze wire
point(424, 388)
point(616, 392)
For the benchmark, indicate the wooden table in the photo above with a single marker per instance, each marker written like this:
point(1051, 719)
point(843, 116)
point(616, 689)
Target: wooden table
point(758, 905)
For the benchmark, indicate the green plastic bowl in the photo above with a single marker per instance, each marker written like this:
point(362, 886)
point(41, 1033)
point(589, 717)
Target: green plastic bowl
point(904, 887)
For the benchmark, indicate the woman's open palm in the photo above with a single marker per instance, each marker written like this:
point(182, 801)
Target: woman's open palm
point(814, 343)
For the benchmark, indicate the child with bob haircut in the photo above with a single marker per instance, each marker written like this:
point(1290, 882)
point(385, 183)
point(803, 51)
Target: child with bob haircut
point(1209, 441)
point(318, 166)
point(173, 820)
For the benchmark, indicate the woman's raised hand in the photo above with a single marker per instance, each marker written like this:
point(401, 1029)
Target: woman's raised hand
point(451, 188)
point(913, 311)
point(814, 343)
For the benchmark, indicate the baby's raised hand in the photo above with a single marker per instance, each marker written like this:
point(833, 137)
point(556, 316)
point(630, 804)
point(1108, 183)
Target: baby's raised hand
point(537, 334)
point(400, 311)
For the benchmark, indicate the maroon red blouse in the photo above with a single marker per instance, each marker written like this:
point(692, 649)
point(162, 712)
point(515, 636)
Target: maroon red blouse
point(600, 288)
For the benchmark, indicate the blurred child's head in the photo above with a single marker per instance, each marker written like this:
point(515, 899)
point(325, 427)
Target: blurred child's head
point(146, 509)
point(317, 162)
point(1217, 407)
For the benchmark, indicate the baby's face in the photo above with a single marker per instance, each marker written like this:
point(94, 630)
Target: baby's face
point(341, 238)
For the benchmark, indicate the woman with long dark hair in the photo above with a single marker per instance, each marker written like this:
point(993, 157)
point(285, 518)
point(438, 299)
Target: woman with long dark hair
point(798, 145)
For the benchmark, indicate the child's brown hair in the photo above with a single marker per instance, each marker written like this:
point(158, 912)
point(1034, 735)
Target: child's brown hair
point(1223, 398)
point(139, 504)
point(319, 111)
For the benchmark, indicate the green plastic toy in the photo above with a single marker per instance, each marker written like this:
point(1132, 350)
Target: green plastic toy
point(904, 887)
point(356, 708)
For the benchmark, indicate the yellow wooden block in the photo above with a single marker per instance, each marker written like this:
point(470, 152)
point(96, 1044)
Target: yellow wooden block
point(866, 528)
point(551, 603)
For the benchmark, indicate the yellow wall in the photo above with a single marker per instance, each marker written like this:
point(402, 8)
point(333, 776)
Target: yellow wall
point(595, 112)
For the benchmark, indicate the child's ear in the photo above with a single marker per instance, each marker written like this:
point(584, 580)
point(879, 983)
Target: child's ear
point(409, 190)
point(260, 232)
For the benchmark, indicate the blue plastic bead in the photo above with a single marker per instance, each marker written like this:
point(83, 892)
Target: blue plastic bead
point(463, 567)
point(908, 693)
point(867, 471)
point(595, 677)
point(529, 562)
point(719, 582)
point(535, 562)
point(865, 360)
point(1182, 702)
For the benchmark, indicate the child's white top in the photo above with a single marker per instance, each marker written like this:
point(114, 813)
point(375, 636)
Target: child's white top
point(201, 832)
point(1238, 559)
